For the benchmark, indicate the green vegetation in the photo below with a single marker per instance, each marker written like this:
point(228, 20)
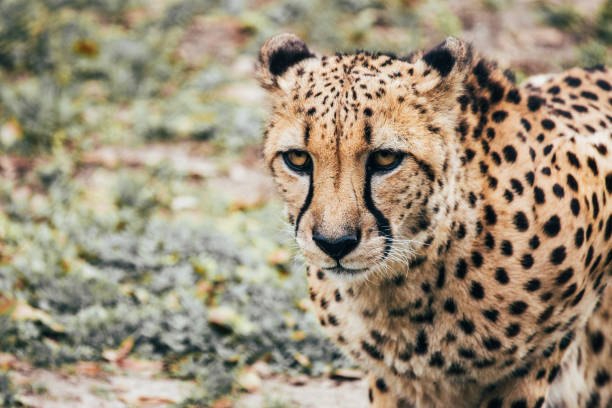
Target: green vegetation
point(123, 123)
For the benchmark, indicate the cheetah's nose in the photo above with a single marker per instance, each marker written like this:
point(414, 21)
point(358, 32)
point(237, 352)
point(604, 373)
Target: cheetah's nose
point(339, 247)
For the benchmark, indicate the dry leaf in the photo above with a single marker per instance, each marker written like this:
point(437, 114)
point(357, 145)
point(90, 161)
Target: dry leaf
point(116, 356)
point(302, 359)
point(347, 374)
point(23, 311)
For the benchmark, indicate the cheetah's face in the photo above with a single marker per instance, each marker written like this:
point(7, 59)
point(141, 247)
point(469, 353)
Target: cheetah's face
point(359, 168)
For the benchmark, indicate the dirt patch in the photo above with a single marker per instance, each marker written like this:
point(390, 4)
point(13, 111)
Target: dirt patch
point(314, 393)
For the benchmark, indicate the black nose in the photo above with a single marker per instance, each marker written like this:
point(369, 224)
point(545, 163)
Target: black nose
point(336, 248)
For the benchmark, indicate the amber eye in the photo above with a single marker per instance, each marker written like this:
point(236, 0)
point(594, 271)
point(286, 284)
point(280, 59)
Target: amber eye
point(298, 160)
point(385, 160)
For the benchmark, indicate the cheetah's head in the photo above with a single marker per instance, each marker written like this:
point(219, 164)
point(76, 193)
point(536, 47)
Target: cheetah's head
point(361, 147)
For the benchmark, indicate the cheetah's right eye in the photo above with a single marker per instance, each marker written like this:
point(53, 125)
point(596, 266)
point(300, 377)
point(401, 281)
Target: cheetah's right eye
point(298, 161)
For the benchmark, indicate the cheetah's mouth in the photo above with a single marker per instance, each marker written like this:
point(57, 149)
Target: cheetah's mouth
point(340, 270)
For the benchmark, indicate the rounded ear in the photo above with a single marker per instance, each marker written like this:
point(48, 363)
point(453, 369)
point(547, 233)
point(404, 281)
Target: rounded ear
point(277, 55)
point(450, 56)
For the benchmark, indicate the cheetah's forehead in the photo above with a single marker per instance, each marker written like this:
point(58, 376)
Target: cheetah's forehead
point(358, 101)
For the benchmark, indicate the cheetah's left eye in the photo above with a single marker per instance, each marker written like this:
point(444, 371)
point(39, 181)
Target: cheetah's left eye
point(385, 160)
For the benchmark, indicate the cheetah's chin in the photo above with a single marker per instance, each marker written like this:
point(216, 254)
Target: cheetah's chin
point(346, 273)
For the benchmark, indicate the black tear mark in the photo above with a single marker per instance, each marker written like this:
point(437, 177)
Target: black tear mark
point(382, 223)
point(306, 202)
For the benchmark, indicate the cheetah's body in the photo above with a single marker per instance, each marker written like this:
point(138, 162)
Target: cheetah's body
point(481, 287)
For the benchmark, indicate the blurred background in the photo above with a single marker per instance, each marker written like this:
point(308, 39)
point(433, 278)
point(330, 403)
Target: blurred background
point(143, 258)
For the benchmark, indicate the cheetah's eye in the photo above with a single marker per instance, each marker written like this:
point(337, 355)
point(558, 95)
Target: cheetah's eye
point(385, 160)
point(298, 161)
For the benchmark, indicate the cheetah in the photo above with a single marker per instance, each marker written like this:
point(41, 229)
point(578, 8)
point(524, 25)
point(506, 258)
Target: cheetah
point(456, 227)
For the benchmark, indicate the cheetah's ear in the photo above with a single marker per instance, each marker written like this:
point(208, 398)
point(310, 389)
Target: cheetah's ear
point(277, 55)
point(451, 59)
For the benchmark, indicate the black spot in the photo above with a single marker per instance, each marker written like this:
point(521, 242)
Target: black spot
point(456, 369)
point(311, 111)
point(564, 276)
point(575, 206)
point(501, 276)
point(518, 307)
point(538, 195)
point(477, 259)
point(553, 373)
point(367, 112)
point(514, 96)
point(548, 124)
point(492, 343)
point(491, 314)
point(571, 289)
point(421, 343)
point(466, 353)
point(546, 314)
point(602, 377)
point(440, 59)
point(534, 103)
point(436, 360)
point(499, 116)
point(532, 285)
point(605, 85)
point(450, 306)
point(557, 256)
point(526, 124)
point(367, 133)
point(527, 261)
point(490, 215)
point(506, 248)
point(466, 325)
point(441, 276)
point(476, 290)
point(461, 268)
point(608, 230)
point(520, 221)
point(516, 186)
point(534, 242)
point(596, 340)
point(552, 226)
point(592, 165)
point(572, 183)
point(381, 385)
point(573, 160)
point(482, 73)
point(572, 81)
point(589, 95)
point(372, 350)
point(512, 330)
point(509, 153)
point(566, 340)
point(580, 108)
point(558, 190)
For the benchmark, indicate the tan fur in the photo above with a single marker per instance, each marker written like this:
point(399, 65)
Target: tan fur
point(486, 293)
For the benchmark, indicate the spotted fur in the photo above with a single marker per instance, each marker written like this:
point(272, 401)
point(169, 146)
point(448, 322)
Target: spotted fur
point(479, 272)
